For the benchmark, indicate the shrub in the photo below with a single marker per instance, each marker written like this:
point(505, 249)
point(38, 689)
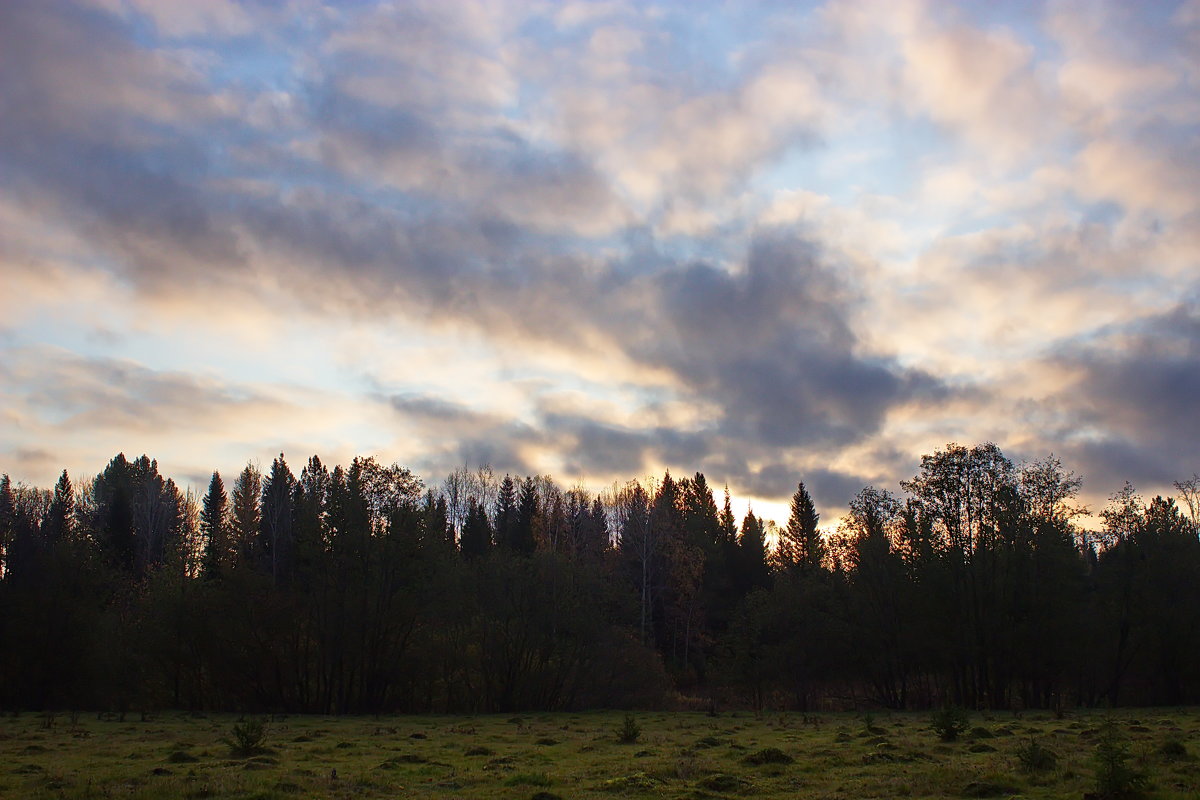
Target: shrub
point(1115, 778)
point(528, 779)
point(1032, 757)
point(869, 726)
point(769, 755)
point(949, 723)
point(1173, 749)
point(630, 730)
point(248, 737)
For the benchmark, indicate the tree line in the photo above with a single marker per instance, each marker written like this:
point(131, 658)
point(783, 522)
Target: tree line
point(361, 589)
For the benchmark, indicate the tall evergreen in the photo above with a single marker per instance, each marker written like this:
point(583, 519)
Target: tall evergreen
point(247, 515)
point(524, 536)
point(801, 546)
point(505, 517)
point(60, 518)
point(214, 525)
point(476, 539)
point(276, 539)
point(753, 572)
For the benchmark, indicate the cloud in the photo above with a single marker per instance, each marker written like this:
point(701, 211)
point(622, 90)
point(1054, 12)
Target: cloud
point(1135, 396)
point(83, 410)
point(980, 83)
point(181, 18)
point(59, 388)
point(601, 238)
point(772, 346)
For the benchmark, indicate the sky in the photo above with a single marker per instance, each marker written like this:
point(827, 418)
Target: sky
point(768, 241)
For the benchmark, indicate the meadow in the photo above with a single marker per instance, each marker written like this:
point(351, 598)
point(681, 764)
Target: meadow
point(564, 755)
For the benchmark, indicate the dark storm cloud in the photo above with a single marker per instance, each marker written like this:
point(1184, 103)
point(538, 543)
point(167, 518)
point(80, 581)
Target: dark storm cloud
point(1140, 387)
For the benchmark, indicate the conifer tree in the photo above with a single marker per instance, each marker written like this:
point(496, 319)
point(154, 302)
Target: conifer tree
point(246, 513)
point(801, 546)
point(214, 524)
point(276, 521)
point(753, 571)
point(505, 518)
point(524, 536)
point(60, 517)
point(476, 539)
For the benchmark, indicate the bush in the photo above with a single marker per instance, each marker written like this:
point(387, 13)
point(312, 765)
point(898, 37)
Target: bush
point(528, 779)
point(1115, 778)
point(950, 723)
point(1032, 757)
point(769, 755)
point(248, 738)
point(630, 730)
point(1173, 750)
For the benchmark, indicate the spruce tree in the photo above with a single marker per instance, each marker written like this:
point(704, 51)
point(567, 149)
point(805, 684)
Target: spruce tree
point(802, 546)
point(61, 515)
point(214, 524)
point(476, 539)
point(505, 518)
point(246, 513)
point(524, 538)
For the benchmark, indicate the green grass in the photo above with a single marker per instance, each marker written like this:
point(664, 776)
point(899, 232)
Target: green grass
point(677, 755)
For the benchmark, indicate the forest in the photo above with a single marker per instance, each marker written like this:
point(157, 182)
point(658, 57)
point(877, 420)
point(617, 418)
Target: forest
point(362, 589)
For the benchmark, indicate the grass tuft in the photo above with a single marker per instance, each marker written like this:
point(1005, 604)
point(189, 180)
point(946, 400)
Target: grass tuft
point(768, 755)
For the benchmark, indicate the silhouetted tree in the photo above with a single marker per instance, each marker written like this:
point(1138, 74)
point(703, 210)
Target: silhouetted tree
point(505, 518)
point(214, 523)
point(523, 536)
point(276, 536)
point(247, 516)
point(476, 540)
point(753, 570)
point(801, 546)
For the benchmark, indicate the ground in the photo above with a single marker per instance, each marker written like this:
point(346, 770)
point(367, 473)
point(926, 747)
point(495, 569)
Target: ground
point(544, 756)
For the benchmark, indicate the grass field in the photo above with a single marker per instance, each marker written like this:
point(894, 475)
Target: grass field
point(542, 756)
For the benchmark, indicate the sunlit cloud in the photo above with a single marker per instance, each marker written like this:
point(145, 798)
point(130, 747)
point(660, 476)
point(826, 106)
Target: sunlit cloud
point(600, 239)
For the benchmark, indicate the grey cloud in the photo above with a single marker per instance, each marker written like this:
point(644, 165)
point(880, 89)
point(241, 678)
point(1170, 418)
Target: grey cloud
point(463, 221)
point(592, 446)
point(1139, 386)
point(35, 460)
point(85, 130)
point(456, 435)
point(774, 346)
point(101, 393)
point(433, 409)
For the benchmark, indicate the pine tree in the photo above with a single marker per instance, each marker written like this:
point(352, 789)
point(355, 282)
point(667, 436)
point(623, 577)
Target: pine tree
point(60, 517)
point(276, 523)
point(505, 518)
point(214, 523)
point(753, 571)
point(476, 539)
point(801, 546)
point(246, 513)
point(310, 511)
point(524, 538)
point(729, 530)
